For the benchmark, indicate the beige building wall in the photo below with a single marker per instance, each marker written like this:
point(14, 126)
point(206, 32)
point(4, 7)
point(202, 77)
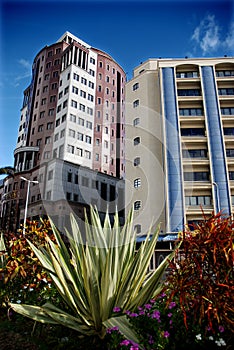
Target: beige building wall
point(197, 85)
point(144, 181)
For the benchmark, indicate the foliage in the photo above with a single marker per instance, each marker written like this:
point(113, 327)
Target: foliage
point(159, 325)
point(94, 277)
point(202, 277)
point(22, 276)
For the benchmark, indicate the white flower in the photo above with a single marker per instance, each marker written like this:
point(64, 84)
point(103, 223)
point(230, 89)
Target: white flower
point(220, 342)
point(211, 338)
point(198, 337)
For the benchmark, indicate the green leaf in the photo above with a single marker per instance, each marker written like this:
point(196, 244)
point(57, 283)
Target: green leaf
point(124, 327)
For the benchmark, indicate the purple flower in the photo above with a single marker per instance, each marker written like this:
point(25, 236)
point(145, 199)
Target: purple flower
point(162, 295)
point(148, 306)
point(152, 301)
point(170, 314)
point(116, 309)
point(166, 334)
point(110, 330)
point(221, 329)
point(141, 312)
point(172, 304)
point(156, 314)
point(125, 342)
point(133, 314)
point(134, 347)
point(151, 340)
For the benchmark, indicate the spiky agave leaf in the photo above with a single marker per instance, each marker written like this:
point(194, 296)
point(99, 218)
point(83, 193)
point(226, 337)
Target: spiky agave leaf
point(94, 276)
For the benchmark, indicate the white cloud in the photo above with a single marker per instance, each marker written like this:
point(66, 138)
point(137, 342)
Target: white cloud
point(210, 37)
point(207, 35)
point(229, 41)
point(26, 71)
point(24, 63)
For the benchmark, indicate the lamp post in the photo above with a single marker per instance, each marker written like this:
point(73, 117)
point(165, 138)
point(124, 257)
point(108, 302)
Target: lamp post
point(217, 194)
point(27, 196)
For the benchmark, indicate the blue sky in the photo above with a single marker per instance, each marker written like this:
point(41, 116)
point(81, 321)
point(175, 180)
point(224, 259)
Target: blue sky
point(130, 31)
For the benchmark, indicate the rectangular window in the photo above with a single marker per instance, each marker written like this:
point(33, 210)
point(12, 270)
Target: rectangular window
point(54, 86)
point(91, 84)
point(72, 133)
point(91, 72)
point(75, 90)
point(83, 93)
point(70, 149)
point(85, 181)
point(88, 139)
point(80, 136)
point(49, 126)
point(75, 76)
point(82, 107)
point(47, 155)
point(73, 104)
point(69, 176)
point(89, 125)
point(196, 176)
point(50, 175)
point(51, 112)
point(89, 111)
point(79, 151)
point(87, 154)
point(52, 98)
point(84, 81)
point(81, 121)
point(72, 118)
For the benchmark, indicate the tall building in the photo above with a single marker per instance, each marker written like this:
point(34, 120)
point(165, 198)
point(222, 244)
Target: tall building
point(71, 134)
point(180, 141)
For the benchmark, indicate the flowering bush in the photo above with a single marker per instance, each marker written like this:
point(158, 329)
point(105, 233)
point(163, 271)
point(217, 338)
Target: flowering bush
point(202, 274)
point(22, 276)
point(196, 310)
point(159, 324)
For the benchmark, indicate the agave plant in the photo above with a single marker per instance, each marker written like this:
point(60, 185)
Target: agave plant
point(97, 275)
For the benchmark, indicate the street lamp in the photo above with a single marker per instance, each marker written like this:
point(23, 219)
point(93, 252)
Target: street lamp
point(27, 196)
point(217, 194)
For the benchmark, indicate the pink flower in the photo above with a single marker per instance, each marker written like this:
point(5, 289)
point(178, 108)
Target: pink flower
point(172, 304)
point(116, 309)
point(166, 334)
point(156, 314)
point(125, 342)
point(221, 329)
